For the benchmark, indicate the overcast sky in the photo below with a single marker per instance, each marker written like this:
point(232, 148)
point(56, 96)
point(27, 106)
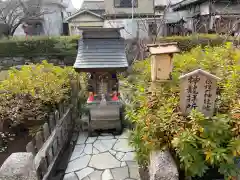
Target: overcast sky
point(77, 3)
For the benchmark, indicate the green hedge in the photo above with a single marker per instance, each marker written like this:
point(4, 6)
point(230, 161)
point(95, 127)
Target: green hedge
point(67, 45)
point(186, 43)
point(32, 92)
point(38, 46)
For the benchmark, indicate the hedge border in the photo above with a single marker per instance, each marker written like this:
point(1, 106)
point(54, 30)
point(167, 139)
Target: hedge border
point(67, 45)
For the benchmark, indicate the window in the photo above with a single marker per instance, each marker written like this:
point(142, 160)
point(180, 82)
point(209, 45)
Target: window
point(125, 3)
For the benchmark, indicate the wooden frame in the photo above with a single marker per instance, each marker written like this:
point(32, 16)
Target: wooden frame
point(161, 60)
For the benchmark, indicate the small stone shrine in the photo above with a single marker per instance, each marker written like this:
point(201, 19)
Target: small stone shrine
point(198, 90)
point(161, 60)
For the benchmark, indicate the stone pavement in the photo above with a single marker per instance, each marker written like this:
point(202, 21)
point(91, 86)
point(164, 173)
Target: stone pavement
point(105, 157)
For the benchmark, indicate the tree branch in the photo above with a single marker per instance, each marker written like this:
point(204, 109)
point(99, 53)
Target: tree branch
point(15, 12)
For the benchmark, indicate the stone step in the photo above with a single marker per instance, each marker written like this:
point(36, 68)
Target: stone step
point(103, 157)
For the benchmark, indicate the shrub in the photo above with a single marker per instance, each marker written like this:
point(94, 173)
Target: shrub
point(196, 142)
point(67, 45)
point(186, 43)
point(29, 94)
point(39, 46)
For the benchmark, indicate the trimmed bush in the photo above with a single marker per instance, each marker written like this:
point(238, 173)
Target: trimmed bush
point(196, 142)
point(186, 43)
point(39, 46)
point(28, 95)
point(67, 45)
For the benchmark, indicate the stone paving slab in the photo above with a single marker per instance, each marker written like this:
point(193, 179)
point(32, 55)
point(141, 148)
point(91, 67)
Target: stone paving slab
point(105, 157)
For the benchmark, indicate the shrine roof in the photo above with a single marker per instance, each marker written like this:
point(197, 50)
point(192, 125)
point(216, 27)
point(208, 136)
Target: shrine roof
point(199, 71)
point(164, 49)
point(101, 48)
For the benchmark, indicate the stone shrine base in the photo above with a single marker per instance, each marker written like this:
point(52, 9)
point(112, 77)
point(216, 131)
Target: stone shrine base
point(105, 157)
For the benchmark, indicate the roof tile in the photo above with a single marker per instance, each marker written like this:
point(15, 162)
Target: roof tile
point(101, 53)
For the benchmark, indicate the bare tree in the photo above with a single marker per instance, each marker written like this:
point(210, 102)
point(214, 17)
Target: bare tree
point(13, 13)
point(137, 45)
point(160, 22)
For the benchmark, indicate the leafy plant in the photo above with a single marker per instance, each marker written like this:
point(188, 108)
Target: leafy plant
point(39, 46)
point(29, 94)
point(67, 45)
point(198, 142)
point(186, 43)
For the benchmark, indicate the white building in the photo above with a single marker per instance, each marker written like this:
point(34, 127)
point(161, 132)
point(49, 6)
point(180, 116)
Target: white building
point(51, 20)
point(205, 16)
point(149, 16)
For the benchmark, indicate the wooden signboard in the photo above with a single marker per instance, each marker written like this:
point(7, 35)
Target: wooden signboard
point(161, 61)
point(198, 90)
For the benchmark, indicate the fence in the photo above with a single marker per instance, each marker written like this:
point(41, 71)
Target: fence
point(46, 146)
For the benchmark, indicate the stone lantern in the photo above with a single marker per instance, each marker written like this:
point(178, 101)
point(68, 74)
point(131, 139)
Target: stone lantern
point(161, 60)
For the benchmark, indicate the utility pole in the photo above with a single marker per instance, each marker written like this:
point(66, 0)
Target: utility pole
point(132, 9)
point(132, 16)
point(210, 14)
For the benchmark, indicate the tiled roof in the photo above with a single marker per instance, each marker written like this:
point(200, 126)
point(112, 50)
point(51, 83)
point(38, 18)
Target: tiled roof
point(81, 12)
point(185, 3)
point(93, 5)
point(167, 49)
point(99, 52)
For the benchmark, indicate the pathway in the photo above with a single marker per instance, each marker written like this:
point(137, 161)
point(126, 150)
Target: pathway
point(105, 157)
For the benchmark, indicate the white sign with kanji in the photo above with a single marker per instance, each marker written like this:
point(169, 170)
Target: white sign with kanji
point(198, 91)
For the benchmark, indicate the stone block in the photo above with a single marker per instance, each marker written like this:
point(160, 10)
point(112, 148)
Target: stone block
point(162, 166)
point(7, 61)
point(78, 124)
point(19, 166)
point(54, 61)
point(18, 61)
point(69, 61)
